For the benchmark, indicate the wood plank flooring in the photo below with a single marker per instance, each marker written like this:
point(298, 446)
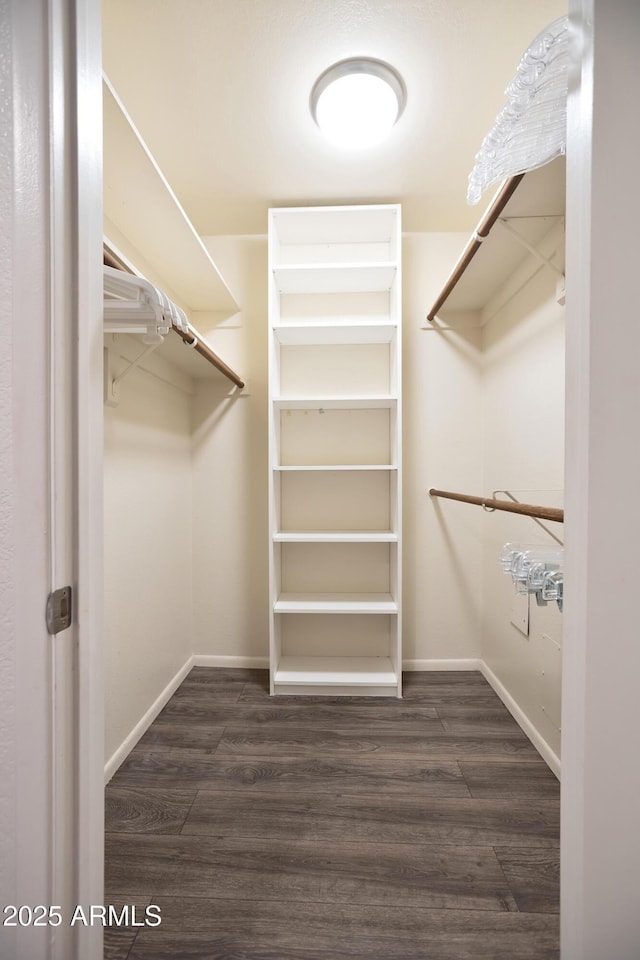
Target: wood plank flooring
point(317, 828)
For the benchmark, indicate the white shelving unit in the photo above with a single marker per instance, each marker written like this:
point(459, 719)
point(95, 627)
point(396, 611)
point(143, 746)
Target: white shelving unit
point(334, 450)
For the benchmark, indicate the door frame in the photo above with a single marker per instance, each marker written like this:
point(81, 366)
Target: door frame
point(51, 703)
point(600, 841)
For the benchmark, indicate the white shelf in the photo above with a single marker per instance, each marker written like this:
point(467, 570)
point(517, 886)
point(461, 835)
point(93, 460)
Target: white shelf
point(335, 332)
point(335, 536)
point(334, 349)
point(343, 402)
point(336, 671)
point(334, 277)
point(331, 468)
point(354, 224)
point(335, 603)
point(534, 210)
point(143, 217)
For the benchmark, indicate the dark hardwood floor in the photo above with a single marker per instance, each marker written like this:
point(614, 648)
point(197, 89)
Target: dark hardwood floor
point(302, 828)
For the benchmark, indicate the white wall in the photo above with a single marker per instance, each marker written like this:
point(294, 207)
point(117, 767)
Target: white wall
point(185, 493)
point(229, 450)
point(442, 446)
point(448, 547)
point(148, 541)
point(523, 452)
point(443, 449)
point(484, 411)
point(459, 434)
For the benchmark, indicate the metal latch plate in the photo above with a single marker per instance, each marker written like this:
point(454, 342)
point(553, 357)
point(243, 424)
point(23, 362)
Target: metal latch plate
point(59, 610)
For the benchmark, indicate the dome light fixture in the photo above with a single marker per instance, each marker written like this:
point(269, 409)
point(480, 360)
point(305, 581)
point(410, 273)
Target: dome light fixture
point(356, 102)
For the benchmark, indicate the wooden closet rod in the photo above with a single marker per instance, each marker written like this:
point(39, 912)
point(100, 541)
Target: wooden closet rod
point(205, 351)
point(193, 338)
point(480, 233)
point(526, 509)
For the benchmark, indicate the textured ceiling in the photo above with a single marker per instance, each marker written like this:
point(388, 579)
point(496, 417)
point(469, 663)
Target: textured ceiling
point(219, 90)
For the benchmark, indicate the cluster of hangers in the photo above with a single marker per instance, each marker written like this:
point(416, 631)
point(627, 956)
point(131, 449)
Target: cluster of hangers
point(133, 305)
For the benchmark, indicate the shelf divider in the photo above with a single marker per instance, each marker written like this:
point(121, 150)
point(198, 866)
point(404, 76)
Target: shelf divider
point(354, 671)
point(374, 603)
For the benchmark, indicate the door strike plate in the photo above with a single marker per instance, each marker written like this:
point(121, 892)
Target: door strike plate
point(59, 610)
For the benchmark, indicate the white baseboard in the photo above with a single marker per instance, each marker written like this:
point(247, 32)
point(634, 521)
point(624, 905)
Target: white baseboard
point(549, 756)
point(209, 660)
point(262, 663)
point(145, 722)
point(552, 759)
point(441, 665)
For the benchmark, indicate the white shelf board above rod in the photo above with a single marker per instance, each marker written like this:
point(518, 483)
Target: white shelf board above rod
point(140, 203)
point(537, 205)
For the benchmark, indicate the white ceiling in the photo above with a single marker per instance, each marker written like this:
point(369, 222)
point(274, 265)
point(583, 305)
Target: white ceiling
point(219, 90)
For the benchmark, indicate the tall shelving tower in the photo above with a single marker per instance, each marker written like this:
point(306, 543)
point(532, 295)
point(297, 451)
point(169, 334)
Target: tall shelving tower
point(335, 435)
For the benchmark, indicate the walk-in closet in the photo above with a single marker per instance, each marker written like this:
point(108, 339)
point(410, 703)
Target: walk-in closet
point(334, 485)
point(318, 484)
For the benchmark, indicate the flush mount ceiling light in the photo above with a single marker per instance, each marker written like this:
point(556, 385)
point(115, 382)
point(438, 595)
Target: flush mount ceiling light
point(356, 102)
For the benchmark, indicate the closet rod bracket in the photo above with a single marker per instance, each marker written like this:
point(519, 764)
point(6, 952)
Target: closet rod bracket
point(111, 383)
point(505, 223)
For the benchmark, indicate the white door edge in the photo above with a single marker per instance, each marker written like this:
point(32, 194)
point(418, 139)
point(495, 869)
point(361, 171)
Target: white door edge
point(51, 708)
